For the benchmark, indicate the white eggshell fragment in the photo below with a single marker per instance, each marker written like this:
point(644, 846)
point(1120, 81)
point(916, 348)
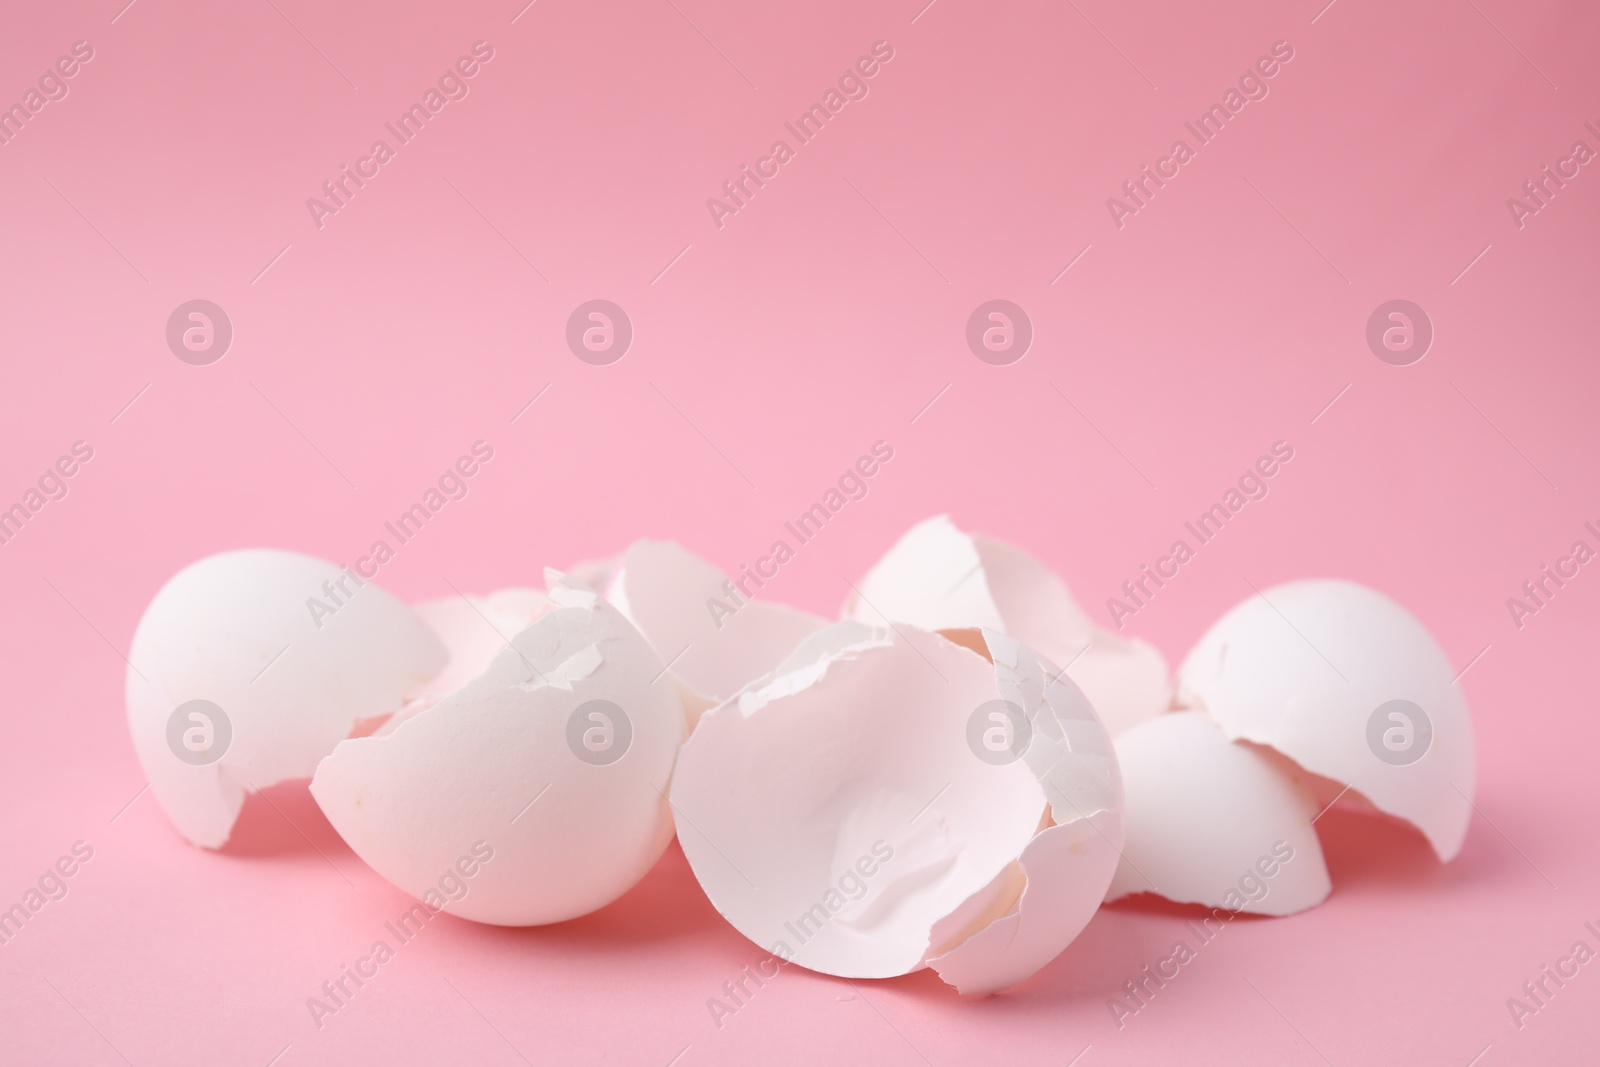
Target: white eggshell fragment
point(555, 762)
point(938, 577)
point(860, 816)
point(1215, 822)
point(715, 637)
point(1080, 839)
point(1349, 685)
point(290, 652)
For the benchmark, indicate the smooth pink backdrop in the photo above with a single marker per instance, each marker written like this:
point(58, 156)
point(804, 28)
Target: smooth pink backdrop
point(768, 354)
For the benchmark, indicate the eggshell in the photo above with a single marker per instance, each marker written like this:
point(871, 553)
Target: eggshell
point(238, 629)
point(716, 639)
point(1203, 813)
point(494, 767)
point(938, 577)
point(838, 816)
point(1305, 668)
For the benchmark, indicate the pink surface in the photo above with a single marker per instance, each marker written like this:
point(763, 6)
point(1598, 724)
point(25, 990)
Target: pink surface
point(1225, 315)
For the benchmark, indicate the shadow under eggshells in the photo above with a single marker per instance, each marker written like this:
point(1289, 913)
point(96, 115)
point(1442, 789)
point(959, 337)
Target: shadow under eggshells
point(283, 820)
point(1367, 850)
point(666, 906)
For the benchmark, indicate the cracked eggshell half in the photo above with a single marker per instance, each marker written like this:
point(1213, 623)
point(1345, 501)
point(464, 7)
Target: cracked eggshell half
point(554, 762)
point(287, 652)
point(890, 800)
point(939, 577)
point(1215, 822)
point(716, 640)
point(1350, 686)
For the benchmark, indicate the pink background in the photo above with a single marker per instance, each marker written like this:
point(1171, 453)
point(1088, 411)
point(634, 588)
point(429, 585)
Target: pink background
point(826, 315)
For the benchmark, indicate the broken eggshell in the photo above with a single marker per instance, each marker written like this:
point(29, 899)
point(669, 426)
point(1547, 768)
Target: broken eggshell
point(890, 800)
point(1215, 822)
point(473, 629)
point(289, 651)
point(554, 762)
point(937, 577)
point(714, 637)
point(1350, 686)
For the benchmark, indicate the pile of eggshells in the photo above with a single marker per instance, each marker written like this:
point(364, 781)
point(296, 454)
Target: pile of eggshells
point(955, 775)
